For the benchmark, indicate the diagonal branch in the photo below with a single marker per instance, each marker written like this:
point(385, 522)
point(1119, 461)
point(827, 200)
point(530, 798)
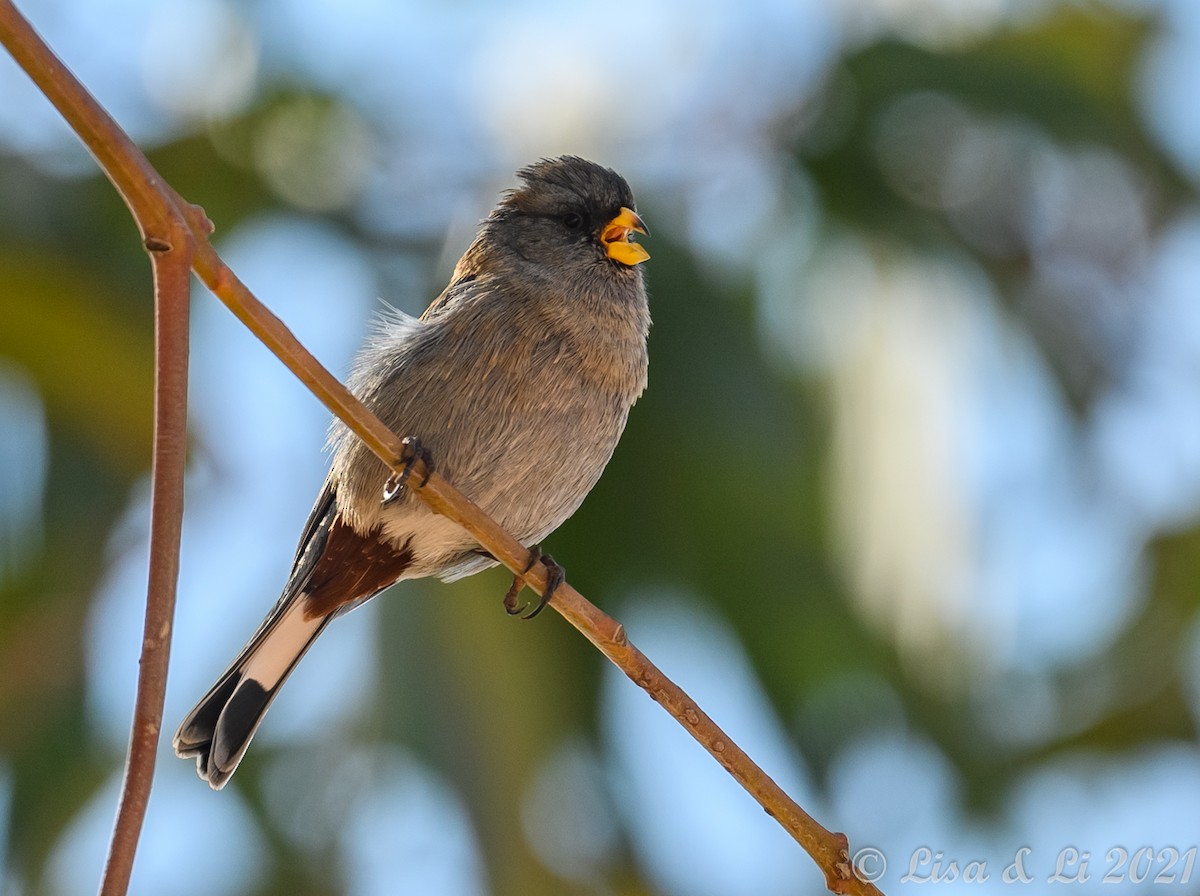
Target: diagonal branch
point(177, 235)
point(828, 849)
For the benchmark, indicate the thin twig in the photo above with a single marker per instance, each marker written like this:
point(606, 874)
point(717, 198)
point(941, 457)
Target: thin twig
point(830, 850)
point(158, 211)
point(166, 235)
point(172, 279)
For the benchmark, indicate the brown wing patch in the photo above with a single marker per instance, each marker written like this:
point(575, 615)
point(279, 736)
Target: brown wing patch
point(351, 568)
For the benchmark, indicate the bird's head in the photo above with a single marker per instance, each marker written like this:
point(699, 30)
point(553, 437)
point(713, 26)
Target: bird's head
point(571, 217)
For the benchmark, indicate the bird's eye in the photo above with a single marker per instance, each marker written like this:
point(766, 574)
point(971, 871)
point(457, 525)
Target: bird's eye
point(572, 220)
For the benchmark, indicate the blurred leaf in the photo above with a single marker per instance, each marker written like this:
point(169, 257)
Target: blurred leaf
point(95, 372)
point(1070, 72)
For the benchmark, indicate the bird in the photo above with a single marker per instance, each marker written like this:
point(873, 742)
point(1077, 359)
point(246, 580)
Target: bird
point(516, 382)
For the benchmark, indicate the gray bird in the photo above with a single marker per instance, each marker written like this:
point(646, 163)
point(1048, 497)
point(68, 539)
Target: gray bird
point(517, 381)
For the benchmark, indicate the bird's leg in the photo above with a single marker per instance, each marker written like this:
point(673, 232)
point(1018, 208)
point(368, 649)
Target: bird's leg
point(554, 577)
point(518, 582)
point(412, 452)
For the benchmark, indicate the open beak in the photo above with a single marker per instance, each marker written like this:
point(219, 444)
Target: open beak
point(617, 237)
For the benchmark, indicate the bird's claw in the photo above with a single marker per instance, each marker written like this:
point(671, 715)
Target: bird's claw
point(510, 597)
point(412, 451)
point(554, 577)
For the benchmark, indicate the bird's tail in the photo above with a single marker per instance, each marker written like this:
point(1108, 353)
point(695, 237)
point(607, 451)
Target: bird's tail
point(219, 728)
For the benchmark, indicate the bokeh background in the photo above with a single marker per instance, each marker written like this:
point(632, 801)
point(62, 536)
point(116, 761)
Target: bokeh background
point(911, 507)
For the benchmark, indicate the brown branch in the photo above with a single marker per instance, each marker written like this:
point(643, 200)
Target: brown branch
point(172, 279)
point(829, 850)
point(166, 235)
point(160, 213)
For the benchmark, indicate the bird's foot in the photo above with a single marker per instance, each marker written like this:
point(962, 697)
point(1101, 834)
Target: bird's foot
point(554, 577)
point(412, 452)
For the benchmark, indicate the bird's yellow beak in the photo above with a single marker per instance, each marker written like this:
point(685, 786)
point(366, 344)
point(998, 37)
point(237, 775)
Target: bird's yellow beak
point(617, 237)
